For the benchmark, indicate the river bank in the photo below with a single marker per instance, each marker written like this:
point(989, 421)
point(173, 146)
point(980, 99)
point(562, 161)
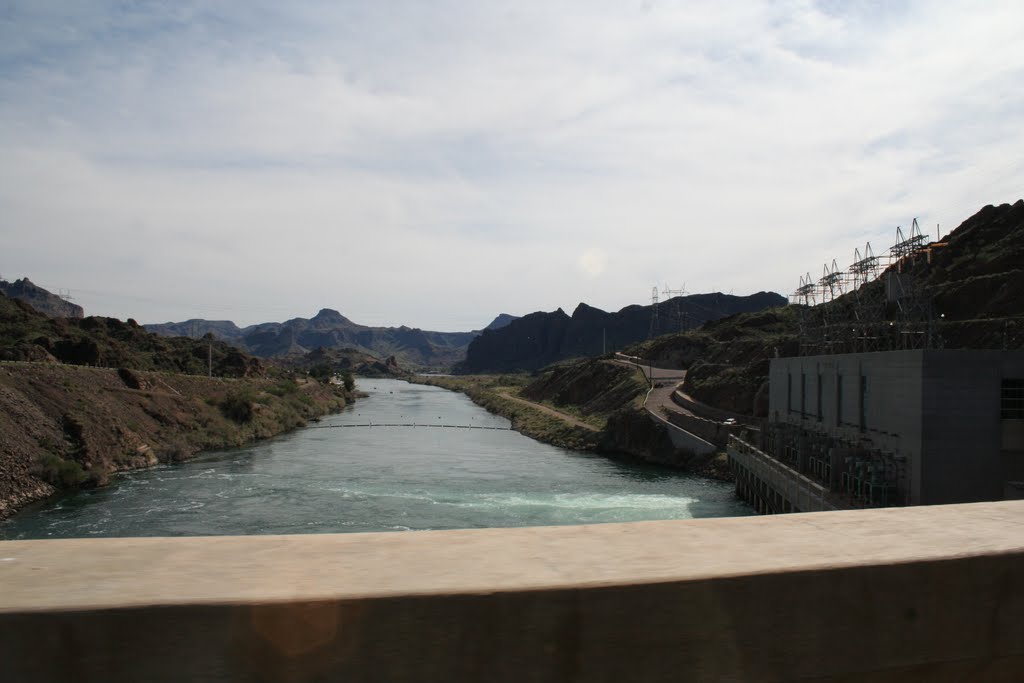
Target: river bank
point(404, 457)
point(591, 406)
point(499, 394)
point(65, 427)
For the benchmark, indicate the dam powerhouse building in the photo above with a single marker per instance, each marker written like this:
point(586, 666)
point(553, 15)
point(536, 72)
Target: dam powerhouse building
point(909, 427)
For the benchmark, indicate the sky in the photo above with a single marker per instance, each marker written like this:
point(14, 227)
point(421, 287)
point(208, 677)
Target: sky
point(434, 164)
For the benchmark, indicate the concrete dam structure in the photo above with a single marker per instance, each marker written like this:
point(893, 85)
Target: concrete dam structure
point(916, 593)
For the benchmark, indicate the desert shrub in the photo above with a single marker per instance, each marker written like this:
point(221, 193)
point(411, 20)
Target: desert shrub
point(175, 451)
point(237, 406)
point(60, 472)
point(130, 379)
point(283, 388)
point(322, 372)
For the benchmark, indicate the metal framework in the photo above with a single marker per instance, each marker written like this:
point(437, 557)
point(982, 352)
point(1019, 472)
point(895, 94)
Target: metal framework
point(677, 318)
point(908, 246)
point(896, 313)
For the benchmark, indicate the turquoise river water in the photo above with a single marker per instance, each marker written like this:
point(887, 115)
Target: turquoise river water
point(345, 479)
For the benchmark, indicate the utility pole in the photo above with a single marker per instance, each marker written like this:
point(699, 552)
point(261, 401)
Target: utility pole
point(604, 341)
point(209, 355)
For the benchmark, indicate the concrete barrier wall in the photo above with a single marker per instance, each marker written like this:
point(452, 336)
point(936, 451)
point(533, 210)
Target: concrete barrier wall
point(706, 411)
point(709, 430)
point(872, 595)
point(682, 439)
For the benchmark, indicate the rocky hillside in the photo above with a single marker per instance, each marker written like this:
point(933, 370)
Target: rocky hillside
point(27, 335)
point(329, 329)
point(973, 281)
point(727, 360)
point(323, 362)
point(142, 399)
point(593, 387)
point(539, 339)
point(64, 427)
point(45, 302)
point(225, 330)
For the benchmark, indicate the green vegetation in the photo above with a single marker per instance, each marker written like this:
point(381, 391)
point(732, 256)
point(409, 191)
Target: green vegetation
point(60, 472)
point(238, 405)
point(322, 372)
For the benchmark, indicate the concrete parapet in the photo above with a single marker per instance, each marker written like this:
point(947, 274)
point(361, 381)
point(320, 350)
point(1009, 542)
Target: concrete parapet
point(925, 593)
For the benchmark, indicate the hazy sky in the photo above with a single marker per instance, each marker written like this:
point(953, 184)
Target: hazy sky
point(436, 163)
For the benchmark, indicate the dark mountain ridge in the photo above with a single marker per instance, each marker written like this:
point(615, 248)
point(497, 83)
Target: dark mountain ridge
point(47, 303)
point(28, 335)
point(541, 338)
point(329, 329)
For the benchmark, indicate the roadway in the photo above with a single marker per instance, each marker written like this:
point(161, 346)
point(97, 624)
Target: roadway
point(665, 381)
point(671, 381)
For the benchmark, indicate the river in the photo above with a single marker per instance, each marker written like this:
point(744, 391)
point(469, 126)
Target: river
point(331, 478)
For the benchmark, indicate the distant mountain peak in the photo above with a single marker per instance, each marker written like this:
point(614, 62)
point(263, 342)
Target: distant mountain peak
point(330, 315)
point(583, 309)
point(501, 320)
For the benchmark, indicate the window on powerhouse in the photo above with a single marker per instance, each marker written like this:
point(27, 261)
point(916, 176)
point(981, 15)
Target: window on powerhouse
point(1012, 404)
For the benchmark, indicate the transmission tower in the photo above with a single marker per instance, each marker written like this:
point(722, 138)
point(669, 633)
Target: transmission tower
point(805, 297)
point(831, 282)
point(895, 313)
point(655, 325)
point(677, 319)
point(907, 247)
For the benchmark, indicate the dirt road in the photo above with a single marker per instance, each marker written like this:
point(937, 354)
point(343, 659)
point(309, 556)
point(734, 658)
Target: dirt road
point(576, 422)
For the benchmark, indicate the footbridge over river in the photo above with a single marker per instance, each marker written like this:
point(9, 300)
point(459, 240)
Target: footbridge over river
point(925, 593)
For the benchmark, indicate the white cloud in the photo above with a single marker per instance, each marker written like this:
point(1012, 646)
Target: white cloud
point(434, 165)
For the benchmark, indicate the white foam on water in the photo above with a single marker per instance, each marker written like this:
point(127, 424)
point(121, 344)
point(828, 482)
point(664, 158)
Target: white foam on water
point(579, 501)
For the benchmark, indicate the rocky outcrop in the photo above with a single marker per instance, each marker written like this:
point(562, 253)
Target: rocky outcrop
point(632, 432)
point(45, 302)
